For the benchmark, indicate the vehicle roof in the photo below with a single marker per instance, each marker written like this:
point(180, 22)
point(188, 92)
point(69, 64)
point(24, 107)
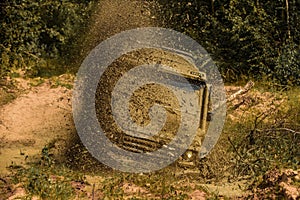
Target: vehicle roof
point(173, 62)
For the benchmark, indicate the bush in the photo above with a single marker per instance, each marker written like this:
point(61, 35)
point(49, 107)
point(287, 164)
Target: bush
point(246, 39)
point(33, 31)
point(288, 65)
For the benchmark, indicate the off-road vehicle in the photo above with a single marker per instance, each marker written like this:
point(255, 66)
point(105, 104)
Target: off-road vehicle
point(145, 97)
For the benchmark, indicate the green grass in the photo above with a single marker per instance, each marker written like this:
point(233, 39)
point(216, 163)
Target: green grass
point(267, 140)
point(6, 97)
point(47, 183)
point(8, 91)
point(46, 180)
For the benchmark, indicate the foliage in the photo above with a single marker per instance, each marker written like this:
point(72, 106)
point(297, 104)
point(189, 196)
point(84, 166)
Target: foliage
point(45, 183)
point(288, 65)
point(34, 32)
point(46, 180)
point(269, 140)
point(247, 39)
point(251, 39)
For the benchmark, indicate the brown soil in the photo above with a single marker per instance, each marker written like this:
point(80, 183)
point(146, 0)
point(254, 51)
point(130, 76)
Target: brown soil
point(253, 103)
point(38, 116)
point(278, 184)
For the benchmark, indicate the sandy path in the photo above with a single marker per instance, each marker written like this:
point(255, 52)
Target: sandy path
point(35, 118)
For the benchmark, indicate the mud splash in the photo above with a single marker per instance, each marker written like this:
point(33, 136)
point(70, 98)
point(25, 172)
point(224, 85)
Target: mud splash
point(112, 17)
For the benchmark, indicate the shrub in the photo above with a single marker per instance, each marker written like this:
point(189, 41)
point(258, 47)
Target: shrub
point(33, 31)
point(247, 39)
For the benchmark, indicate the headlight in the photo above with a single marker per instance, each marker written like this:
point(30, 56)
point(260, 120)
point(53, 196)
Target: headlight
point(189, 155)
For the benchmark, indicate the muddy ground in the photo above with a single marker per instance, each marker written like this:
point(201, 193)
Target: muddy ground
point(38, 116)
point(41, 114)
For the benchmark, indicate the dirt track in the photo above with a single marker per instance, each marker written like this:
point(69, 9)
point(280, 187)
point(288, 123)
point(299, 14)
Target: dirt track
point(42, 114)
point(38, 116)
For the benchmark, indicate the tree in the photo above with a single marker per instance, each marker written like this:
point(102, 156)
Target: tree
point(247, 39)
point(35, 31)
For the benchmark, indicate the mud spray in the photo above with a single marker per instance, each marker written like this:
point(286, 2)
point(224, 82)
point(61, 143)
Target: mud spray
point(108, 19)
point(112, 17)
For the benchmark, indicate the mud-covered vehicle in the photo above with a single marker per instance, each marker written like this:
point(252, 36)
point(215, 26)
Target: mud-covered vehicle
point(147, 95)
